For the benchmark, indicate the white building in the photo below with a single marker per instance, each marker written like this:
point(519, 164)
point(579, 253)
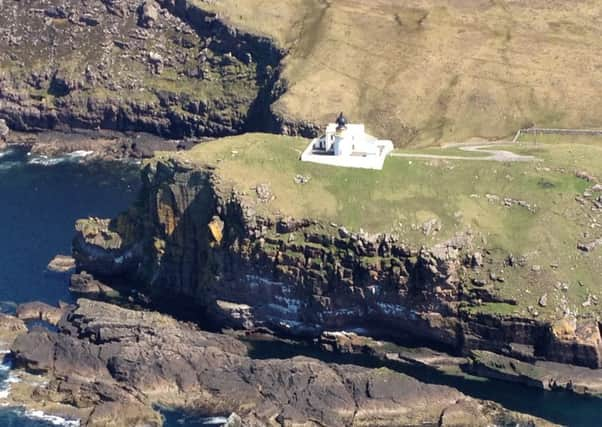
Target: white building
point(347, 145)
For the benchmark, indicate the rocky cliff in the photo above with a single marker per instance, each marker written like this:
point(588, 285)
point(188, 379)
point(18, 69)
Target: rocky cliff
point(166, 67)
point(107, 365)
point(194, 238)
point(429, 71)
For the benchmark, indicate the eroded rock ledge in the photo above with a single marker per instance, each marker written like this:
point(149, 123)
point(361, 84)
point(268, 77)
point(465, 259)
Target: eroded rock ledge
point(109, 365)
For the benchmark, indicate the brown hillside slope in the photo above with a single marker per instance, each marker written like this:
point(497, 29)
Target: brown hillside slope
point(421, 71)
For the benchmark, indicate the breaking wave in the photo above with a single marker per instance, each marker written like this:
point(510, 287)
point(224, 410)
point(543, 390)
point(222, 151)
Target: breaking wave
point(52, 419)
point(7, 380)
point(6, 153)
point(51, 161)
point(214, 421)
point(4, 166)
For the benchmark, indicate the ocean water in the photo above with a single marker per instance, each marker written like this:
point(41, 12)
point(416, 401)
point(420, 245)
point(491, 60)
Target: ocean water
point(40, 198)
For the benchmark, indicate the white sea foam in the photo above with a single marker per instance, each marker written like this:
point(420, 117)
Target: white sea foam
point(52, 419)
point(7, 382)
point(4, 166)
point(13, 379)
point(80, 153)
point(5, 153)
point(211, 421)
point(51, 161)
point(45, 160)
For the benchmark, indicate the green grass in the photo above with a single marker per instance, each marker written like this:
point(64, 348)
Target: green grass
point(560, 139)
point(124, 75)
point(437, 151)
point(435, 70)
point(409, 192)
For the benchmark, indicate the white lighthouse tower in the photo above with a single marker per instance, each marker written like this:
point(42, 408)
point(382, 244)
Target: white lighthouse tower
point(347, 145)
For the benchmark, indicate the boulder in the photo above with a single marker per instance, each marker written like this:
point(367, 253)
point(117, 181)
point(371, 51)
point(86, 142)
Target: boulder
point(234, 421)
point(61, 264)
point(463, 413)
point(86, 285)
point(40, 311)
point(100, 250)
point(10, 328)
point(543, 300)
point(264, 193)
point(116, 7)
point(476, 260)
point(238, 316)
point(4, 130)
point(156, 61)
point(576, 342)
point(148, 14)
point(56, 12)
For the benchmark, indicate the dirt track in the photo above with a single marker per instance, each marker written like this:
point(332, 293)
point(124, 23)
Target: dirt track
point(494, 155)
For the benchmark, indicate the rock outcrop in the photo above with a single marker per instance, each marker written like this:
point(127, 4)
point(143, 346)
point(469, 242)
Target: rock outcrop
point(111, 364)
point(38, 310)
point(61, 264)
point(96, 145)
point(4, 130)
point(300, 277)
point(166, 68)
point(544, 375)
point(86, 285)
point(10, 328)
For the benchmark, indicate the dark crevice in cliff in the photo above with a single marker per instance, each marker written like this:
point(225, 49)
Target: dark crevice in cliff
point(246, 47)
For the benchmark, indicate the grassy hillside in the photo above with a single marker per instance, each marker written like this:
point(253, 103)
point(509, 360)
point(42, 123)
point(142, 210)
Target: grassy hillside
point(424, 71)
point(546, 218)
point(113, 71)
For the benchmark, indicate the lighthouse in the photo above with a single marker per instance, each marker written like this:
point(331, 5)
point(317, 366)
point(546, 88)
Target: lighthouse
point(347, 145)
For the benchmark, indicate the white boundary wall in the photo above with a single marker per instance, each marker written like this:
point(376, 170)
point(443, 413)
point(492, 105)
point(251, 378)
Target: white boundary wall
point(352, 161)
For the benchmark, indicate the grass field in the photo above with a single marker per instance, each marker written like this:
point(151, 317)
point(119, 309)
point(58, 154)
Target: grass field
point(423, 71)
point(560, 139)
point(463, 196)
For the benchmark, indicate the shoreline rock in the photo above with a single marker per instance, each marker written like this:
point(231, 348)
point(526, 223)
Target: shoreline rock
point(61, 264)
point(100, 145)
point(539, 374)
point(112, 364)
point(37, 310)
point(10, 328)
point(86, 285)
point(4, 131)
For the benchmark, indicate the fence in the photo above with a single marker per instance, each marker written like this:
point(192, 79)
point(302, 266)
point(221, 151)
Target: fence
point(552, 131)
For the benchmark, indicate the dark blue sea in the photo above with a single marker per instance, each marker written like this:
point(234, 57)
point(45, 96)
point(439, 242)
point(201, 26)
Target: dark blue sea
point(40, 199)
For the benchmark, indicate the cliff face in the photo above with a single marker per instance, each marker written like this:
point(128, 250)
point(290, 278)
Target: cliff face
point(166, 67)
point(191, 238)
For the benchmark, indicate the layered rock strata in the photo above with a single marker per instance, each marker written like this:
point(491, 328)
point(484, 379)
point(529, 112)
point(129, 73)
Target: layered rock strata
point(109, 365)
point(191, 239)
